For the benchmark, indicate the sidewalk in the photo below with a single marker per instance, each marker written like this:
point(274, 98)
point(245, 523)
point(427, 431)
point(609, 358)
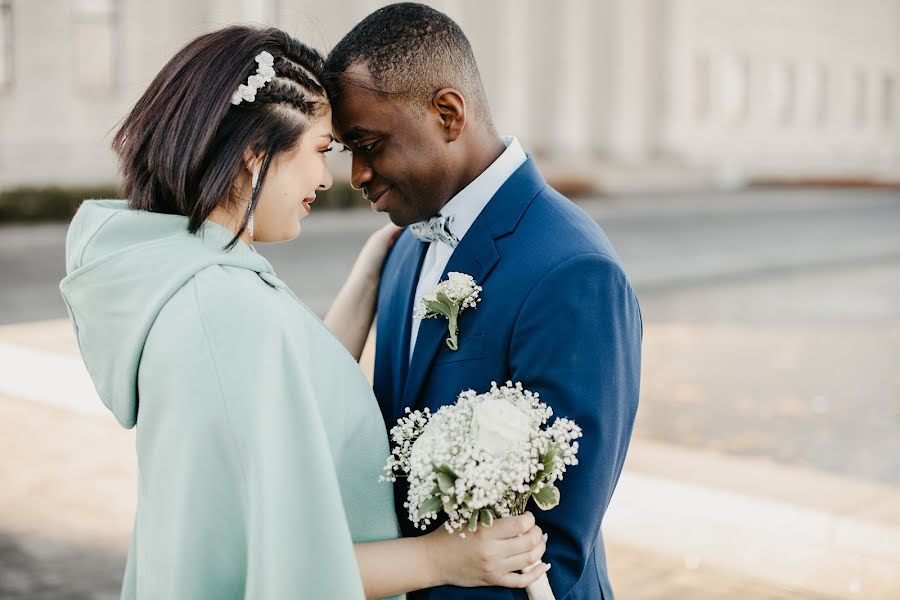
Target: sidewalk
point(684, 524)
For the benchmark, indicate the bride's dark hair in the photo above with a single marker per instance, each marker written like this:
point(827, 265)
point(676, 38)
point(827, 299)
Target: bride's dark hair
point(181, 149)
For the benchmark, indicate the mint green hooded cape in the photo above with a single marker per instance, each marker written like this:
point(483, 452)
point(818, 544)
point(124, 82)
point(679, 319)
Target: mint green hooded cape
point(259, 442)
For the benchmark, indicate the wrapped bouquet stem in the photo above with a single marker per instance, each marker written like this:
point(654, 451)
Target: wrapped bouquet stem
point(540, 589)
point(484, 457)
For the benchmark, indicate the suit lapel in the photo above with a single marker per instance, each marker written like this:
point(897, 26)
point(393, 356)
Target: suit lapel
point(476, 255)
point(401, 309)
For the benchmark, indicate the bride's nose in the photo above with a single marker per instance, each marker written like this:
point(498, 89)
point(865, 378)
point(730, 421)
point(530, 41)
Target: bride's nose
point(327, 179)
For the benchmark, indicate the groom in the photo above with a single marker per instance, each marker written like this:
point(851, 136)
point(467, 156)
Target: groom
point(556, 313)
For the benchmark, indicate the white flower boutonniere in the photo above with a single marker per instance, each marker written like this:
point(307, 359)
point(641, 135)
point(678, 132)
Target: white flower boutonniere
point(448, 299)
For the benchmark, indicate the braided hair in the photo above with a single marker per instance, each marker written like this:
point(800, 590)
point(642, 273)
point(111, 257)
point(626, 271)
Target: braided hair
point(181, 149)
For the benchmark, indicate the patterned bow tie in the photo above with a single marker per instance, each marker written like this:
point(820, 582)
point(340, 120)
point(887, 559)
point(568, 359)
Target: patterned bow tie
point(435, 229)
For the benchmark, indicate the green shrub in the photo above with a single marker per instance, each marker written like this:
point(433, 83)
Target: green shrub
point(35, 204)
point(29, 204)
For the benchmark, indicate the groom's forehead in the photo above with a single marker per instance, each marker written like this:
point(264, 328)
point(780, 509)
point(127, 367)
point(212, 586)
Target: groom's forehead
point(355, 115)
point(360, 110)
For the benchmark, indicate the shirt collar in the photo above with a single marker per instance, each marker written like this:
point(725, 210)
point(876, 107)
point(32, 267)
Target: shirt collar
point(472, 199)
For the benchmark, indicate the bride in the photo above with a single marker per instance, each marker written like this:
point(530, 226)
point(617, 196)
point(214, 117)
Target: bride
point(259, 442)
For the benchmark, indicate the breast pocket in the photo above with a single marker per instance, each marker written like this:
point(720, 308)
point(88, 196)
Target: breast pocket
point(470, 348)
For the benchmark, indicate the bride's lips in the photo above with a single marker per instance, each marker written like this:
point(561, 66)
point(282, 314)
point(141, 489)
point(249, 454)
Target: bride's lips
point(307, 202)
point(378, 200)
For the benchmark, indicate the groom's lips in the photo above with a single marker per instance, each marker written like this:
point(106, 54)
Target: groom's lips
point(377, 199)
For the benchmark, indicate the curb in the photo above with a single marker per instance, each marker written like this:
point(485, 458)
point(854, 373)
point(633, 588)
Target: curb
point(790, 526)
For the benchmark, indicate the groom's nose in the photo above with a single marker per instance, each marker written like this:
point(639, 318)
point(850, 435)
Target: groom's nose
point(360, 172)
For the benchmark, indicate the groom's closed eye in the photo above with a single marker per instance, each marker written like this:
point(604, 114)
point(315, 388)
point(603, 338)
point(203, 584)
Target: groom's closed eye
point(366, 146)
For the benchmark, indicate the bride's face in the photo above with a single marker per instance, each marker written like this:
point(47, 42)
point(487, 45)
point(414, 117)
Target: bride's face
point(291, 184)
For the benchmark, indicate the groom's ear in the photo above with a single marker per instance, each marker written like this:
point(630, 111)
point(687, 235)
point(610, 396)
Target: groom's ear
point(451, 109)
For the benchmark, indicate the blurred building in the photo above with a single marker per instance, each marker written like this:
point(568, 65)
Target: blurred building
point(628, 93)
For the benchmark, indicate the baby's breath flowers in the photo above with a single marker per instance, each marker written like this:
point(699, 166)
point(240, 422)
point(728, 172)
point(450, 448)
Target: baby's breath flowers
point(448, 299)
point(482, 458)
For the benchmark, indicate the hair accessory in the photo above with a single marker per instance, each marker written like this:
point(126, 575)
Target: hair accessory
point(265, 72)
point(253, 183)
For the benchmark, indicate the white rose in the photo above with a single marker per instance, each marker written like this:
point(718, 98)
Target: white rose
point(499, 426)
point(461, 279)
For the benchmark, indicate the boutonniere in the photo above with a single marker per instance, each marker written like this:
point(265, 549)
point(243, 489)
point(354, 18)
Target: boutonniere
point(448, 299)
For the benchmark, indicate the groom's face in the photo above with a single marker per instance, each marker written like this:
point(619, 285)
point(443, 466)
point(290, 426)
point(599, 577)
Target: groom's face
point(401, 161)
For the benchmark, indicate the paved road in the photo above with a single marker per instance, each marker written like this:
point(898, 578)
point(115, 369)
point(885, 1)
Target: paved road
point(776, 314)
point(667, 242)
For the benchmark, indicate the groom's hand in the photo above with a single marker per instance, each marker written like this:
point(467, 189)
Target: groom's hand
point(493, 555)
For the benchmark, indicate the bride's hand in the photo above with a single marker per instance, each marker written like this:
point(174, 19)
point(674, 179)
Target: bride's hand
point(490, 556)
point(371, 257)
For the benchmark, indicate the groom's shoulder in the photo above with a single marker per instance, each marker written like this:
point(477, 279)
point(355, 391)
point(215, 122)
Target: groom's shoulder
point(559, 229)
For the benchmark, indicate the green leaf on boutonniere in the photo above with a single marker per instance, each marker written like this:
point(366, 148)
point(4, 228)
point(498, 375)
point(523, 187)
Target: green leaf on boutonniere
point(449, 299)
point(438, 307)
point(445, 300)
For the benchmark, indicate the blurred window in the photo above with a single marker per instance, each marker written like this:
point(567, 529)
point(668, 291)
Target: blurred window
point(860, 97)
point(7, 44)
point(820, 94)
point(95, 38)
point(735, 88)
point(783, 91)
point(889, 100)
point(701, 87)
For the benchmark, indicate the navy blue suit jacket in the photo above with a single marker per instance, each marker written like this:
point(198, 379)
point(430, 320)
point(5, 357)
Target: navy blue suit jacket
point(558, 314)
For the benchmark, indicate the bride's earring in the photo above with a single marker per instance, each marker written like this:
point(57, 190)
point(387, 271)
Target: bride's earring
point(253, 183)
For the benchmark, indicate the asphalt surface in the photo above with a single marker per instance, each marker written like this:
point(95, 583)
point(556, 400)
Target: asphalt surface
point(778, 313)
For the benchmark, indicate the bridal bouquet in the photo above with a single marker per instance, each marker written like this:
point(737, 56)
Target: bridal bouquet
point(482, 458)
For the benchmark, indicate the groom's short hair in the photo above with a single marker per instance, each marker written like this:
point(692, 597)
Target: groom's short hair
point(411, 50)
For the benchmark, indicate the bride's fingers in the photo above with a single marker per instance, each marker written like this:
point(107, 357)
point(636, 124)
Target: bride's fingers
point(521, 580)
point(522, 543)
point(522, 561)
point(510, 527)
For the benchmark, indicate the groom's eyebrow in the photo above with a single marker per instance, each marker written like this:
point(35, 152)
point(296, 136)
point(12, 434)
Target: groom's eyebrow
point(358, 133)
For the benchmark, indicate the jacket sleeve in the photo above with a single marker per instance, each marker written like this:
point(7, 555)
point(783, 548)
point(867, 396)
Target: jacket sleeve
point(577, 341)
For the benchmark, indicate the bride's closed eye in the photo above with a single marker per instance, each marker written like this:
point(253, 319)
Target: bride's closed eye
point(334, 146)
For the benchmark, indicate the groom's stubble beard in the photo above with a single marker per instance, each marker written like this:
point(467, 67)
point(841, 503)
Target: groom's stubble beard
point(420, 190)
point(406, 209)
